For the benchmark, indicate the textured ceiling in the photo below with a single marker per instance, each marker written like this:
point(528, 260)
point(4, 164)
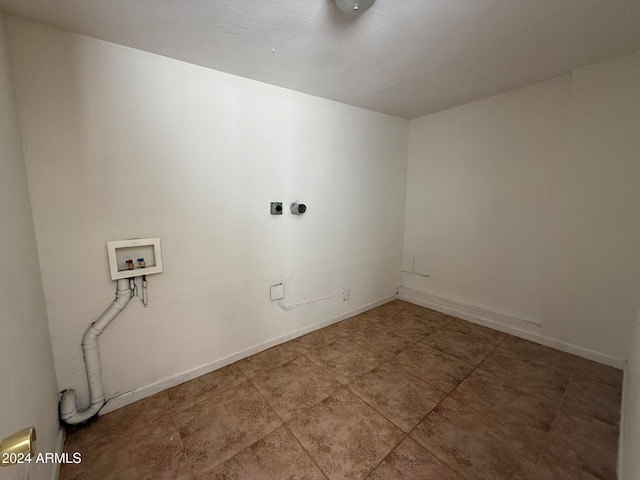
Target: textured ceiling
point(402, 57)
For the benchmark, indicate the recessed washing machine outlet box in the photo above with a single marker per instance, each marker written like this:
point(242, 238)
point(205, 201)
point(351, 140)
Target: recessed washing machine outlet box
point(121, 251)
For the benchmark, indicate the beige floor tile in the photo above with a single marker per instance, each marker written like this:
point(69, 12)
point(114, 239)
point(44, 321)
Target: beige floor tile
point(370, 318)
point(521, 371)
point(439, 319)
point(121, 422)
point(205, 386)
point(433, 366)
point(409, 461)
point(390, 307)
point(459, 345)
point(151, 453)
point(400, 307)
point(409, 325)
point(277, 456)
point(478, 332)
point(474, 445)
point(295, 386)
point(350, 327)
point(516, 405)
point(540, 354)
point(316, 339)
point(273, 357)
point(549, 468)
point(345, 360)
point(400, 397)
point(345, 436)
point(214, 431)
point(596, 400)
point(586, 443)
point(596, 372)
point(382, 342)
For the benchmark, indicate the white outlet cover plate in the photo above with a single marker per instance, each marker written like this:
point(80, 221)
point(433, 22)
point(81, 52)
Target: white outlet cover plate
point(277, 292)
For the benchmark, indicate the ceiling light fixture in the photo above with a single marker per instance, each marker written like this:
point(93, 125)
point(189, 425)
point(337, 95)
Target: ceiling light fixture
point(354, 6)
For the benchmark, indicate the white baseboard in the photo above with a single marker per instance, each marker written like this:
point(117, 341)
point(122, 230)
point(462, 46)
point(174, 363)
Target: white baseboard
point(59, 449)
point(504, 323)
point(121, 400)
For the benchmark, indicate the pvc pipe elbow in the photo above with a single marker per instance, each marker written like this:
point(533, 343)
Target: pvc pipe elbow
point(68, 404)
point(69, 411)
point(90, 339)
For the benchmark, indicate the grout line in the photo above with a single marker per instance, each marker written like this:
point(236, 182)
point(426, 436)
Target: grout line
point(174, 406)
point(448, 355)
point(521, 356)
point(375, 409)
point(548, 433)
point(305, 450)
point(285, 423)
point(184, 450)
point(442, 401)
point(389, 361)
point(438, 458)
point(576, 414)
point(173, 414)
point(404, 437)
point(270, 408)
point(478, 412)
point(338, 388)
point(546, 440)
point(447, 395)
point(251, 384)
point(454, 389)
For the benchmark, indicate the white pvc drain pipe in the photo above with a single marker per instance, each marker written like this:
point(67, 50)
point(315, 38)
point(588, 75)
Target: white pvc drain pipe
point(68, 407)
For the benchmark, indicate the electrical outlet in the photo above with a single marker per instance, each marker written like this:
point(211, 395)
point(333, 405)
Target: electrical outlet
point(346, 295)
point(276, 208)
point(277, 292)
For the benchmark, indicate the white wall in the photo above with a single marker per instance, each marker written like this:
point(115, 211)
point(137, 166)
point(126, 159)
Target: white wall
point(630, 428)
point(594, 264)
point(28, 390)
point(527, 205)
point(121, 143)
point(481, 190)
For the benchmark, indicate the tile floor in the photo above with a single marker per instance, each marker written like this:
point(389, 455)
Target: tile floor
point(399, 392)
